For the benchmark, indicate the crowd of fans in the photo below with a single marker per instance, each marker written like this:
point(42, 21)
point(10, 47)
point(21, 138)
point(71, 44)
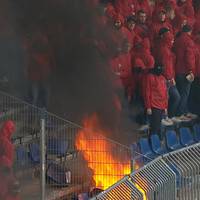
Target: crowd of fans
point(154, 56)
point(157, 56)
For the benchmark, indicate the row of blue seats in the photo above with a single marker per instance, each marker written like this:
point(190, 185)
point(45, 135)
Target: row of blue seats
point(150, 148)
point(31, 155)
point(27, 157)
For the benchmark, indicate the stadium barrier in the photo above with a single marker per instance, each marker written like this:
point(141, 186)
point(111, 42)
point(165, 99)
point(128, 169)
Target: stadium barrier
point(57, 159)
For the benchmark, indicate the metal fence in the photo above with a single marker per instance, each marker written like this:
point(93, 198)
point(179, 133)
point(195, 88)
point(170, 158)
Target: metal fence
point(174, 176)
point(57, 159)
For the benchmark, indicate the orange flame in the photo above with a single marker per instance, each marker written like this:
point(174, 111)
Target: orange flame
point(104, 157)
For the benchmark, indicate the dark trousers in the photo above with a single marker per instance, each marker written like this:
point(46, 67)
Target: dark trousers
point(194, 99)
point(155, 121)
point(183, 86)
point(174, 100)
point(39, 93)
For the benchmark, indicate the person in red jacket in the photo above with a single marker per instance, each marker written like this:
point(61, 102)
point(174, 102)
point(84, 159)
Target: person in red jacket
point(122, 71)
point(184, 49)
point(166, 58)
point(40, 63)
point(142, 27)
point(156, 98)
point(8, 185)
point(159, 22)
point(144, 5)
point(185, 8)
point(125, 7)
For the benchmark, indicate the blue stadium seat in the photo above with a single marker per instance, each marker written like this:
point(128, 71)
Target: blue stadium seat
point(196, 129)
point(57, 146)
point(146, 151)
point(34, 152)
point(186, 138)
point(156, 145)
point(172, 140)
point(22, 158)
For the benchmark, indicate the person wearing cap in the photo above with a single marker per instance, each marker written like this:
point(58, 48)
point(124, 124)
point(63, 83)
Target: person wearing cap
point(159, 22)
point(155, 98)
point(166, 58)
point(184, 49)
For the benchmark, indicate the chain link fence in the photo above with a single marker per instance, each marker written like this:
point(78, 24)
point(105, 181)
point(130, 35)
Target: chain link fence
point(57, 159)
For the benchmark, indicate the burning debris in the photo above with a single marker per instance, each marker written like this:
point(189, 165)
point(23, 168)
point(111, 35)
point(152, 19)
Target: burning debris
point(102, 155)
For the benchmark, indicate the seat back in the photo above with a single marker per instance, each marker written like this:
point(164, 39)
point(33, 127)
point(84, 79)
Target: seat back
point(196, 129)
point(57, 146)
point(144, 146)
point(21, 155)
point(155, 142)
point(171, 138)
point(35, 152)
point(186, 136)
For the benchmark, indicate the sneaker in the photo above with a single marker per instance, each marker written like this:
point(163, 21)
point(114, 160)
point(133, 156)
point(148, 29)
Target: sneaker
point(184, 118)
point(192, 116)
point(143, 127)
point(167, 122)
point(176, 119)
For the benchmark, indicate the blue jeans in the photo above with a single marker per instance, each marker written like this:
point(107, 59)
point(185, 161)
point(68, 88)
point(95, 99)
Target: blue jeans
point(174, 100)
point(183, 86)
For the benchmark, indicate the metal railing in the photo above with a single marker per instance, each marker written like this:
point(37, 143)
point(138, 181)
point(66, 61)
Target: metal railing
point(58, 159)
point(174, 176)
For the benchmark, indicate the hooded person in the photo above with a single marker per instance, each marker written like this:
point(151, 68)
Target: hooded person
point(159, 22)
point(125, 7)
point(9, 187)
point(185, 8)
point(142, 27)
point(144, 5)
point(142, 61)
point(121, 67)
point(178, 22)
point(155, 98)
point(6, 147)
point(110, 11)
point(184, 49)
point(165, 57)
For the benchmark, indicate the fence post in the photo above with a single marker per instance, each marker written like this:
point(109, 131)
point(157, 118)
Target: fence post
point(43, 158)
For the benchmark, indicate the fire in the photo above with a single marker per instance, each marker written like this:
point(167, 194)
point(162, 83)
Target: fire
point(101, 154)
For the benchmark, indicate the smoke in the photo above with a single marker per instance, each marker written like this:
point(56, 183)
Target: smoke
point(81, 83)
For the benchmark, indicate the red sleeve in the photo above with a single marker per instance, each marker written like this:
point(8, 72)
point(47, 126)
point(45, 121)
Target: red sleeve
point(168, 63)
point(147, 92)
point(189, 12)
point(190, 57)
point(149, 61)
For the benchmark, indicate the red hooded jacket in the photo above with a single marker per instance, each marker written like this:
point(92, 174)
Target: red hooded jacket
point(184, 49)
point(156, 26)
point(186, 9)
point(155, 92)
point(144, 5)
point(122, 70)
point(197, 54)
point(6, 147)
point(125, 7)
point(165, 56)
